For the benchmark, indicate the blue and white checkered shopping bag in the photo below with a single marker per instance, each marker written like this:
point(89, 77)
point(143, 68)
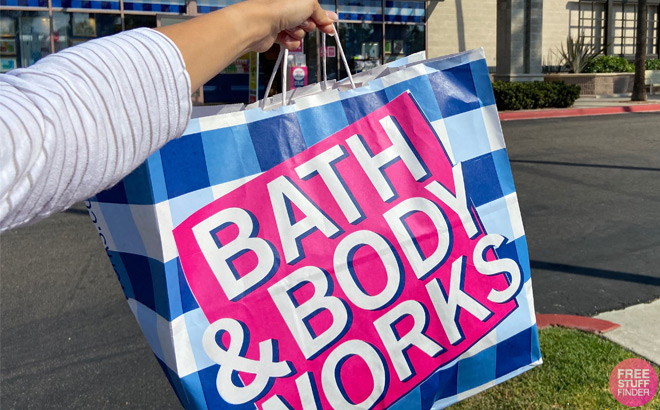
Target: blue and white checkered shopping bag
point(357, 249)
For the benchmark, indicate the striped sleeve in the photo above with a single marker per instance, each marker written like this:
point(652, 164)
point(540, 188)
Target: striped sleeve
point(78, 121)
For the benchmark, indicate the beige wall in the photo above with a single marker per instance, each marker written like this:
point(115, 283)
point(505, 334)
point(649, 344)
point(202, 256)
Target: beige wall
point(459, 25)
point(555, 28)
point(479, 26)
point(560, 17)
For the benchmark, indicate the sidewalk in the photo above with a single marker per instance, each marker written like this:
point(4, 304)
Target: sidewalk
point(639, 331)
point(589, 105)
point(599, 101)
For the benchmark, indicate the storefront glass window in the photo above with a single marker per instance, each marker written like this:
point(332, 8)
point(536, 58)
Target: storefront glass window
point(402, 40)
point(138, 20)
point(25, 37)
point(310, 50)
point(9, 47)
point(61, 32)
point(70, 29)
point(362, 44)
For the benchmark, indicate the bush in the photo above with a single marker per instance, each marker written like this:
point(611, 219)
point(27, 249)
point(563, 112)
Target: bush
point(653, 64)
point(537, 94)
point(609, 64)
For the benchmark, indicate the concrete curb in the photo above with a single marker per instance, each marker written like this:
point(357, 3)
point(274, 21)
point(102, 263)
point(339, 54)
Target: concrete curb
point(575, 112)
point(586, 324)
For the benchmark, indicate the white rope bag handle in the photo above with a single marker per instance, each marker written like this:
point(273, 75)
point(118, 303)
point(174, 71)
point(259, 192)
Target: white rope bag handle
point(283, 58)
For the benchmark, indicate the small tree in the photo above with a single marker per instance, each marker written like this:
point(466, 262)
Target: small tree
point(639, 88)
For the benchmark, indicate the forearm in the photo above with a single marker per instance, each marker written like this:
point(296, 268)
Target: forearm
point(78, 121)
point(211, 42)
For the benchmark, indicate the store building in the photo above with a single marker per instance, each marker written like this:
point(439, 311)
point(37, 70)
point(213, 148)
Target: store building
point(372, 32)
point(518, 36)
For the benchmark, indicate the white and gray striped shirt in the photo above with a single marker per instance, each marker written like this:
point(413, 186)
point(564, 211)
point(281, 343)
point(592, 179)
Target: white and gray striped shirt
point(78, 121)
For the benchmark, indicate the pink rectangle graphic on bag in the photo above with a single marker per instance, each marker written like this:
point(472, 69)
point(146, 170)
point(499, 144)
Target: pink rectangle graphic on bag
point(348, 274)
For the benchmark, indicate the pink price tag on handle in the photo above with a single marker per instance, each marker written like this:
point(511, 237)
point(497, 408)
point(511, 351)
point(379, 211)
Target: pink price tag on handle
point(348, 274)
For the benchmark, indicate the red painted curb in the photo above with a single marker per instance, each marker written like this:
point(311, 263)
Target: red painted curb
point(574, 112)
point(587, 324)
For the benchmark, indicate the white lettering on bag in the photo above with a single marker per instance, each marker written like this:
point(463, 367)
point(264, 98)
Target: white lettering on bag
point(331, 375)
point(497, 266)
point(298, 315)
point(307, 391)
point(323, 166)
point(396, 219)
point(458, 203)
point(220, 256)
point(232, 359)
point(446, 304)
point(374, 164)
point(344, 264)
point(397, 344)
point(283, 194)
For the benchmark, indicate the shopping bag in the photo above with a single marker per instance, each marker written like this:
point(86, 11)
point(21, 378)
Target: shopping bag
point(357, 249)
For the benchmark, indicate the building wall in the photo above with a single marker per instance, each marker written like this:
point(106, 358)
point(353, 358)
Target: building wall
point(556, 25)
point(477, 20)
point(459, 25)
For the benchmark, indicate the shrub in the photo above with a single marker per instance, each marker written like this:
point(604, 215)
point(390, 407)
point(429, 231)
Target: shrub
point(537, 94)
point(609, 64)
point(653, 64)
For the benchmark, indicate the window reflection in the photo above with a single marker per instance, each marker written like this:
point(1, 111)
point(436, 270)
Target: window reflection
point(24, 37)
point(362, 44)
point(138, 20)
point(70, 29)
point(403, 40)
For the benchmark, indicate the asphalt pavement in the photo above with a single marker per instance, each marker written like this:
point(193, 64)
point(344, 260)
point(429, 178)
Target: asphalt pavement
point(68, 339)
point(589, 192)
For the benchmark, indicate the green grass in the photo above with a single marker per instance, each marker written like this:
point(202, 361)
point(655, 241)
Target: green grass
point(575, 374)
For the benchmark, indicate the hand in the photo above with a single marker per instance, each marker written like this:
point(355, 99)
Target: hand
point(210, 42)
point(291, 20)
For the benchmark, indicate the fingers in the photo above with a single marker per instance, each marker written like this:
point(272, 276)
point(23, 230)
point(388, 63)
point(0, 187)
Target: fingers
point(321, 19)
point(287, 41)
point(296, 34)
point(308, 25)
point(327, 28)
